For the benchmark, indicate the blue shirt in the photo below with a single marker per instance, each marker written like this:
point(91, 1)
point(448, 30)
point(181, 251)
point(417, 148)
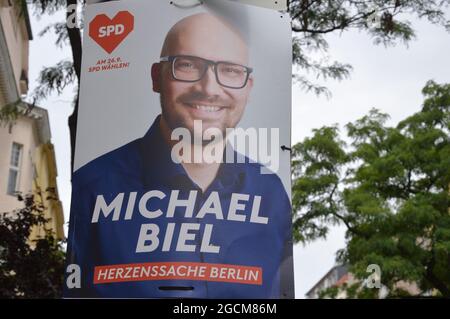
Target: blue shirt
point(145, 164)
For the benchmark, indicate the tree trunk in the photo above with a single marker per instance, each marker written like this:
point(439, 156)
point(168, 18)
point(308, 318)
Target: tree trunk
point(75, 43)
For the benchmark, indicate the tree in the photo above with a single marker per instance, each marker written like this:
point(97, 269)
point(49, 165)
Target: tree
point(29, 268)
point(390, 187)
point(386, 21)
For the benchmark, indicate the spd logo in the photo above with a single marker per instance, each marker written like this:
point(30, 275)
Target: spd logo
point(109, 33)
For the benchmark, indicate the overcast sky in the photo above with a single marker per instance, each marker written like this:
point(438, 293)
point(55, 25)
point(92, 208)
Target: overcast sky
point(389, 79)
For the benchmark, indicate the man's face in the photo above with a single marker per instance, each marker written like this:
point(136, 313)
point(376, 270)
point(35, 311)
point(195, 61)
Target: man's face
point(206, 100)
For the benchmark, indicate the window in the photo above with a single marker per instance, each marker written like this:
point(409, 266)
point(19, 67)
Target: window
point(14, 168)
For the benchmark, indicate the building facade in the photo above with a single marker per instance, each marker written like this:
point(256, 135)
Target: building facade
point(15, 34)
point(27, 157)
point(335, 277)
point(339, 275)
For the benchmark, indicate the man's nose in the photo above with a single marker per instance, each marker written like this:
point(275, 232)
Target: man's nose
point(208, 83)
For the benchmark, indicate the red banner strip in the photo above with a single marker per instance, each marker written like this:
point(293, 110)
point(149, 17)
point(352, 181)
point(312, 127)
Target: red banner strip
point(178, 271)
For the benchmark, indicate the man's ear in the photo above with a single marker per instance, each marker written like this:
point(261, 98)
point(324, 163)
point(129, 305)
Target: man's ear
point(250, 83)
point(156, 71)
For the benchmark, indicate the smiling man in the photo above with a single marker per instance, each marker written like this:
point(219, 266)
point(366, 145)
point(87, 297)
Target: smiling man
point(203, 75)
point(144, 226)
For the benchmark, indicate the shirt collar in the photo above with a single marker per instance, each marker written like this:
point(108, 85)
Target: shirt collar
point(158, 167)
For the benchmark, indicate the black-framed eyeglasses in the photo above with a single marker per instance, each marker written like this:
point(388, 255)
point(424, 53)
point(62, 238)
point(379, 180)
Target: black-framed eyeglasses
point(188, 68)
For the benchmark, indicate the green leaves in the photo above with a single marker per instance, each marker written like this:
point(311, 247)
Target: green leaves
point(47, 6)
point(390, 187)
point(9, 113)
point(29, 268)
point(55, 78)
point(58, 28)
point(386, 21)
point(317, 172)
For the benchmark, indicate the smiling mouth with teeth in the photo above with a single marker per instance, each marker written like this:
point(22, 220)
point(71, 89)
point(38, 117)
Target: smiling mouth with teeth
point(207, 108)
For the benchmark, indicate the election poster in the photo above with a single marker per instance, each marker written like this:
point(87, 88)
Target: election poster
point(181, 182)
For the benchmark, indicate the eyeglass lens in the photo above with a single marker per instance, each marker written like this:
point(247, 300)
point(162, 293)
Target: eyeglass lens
point(193, 69)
